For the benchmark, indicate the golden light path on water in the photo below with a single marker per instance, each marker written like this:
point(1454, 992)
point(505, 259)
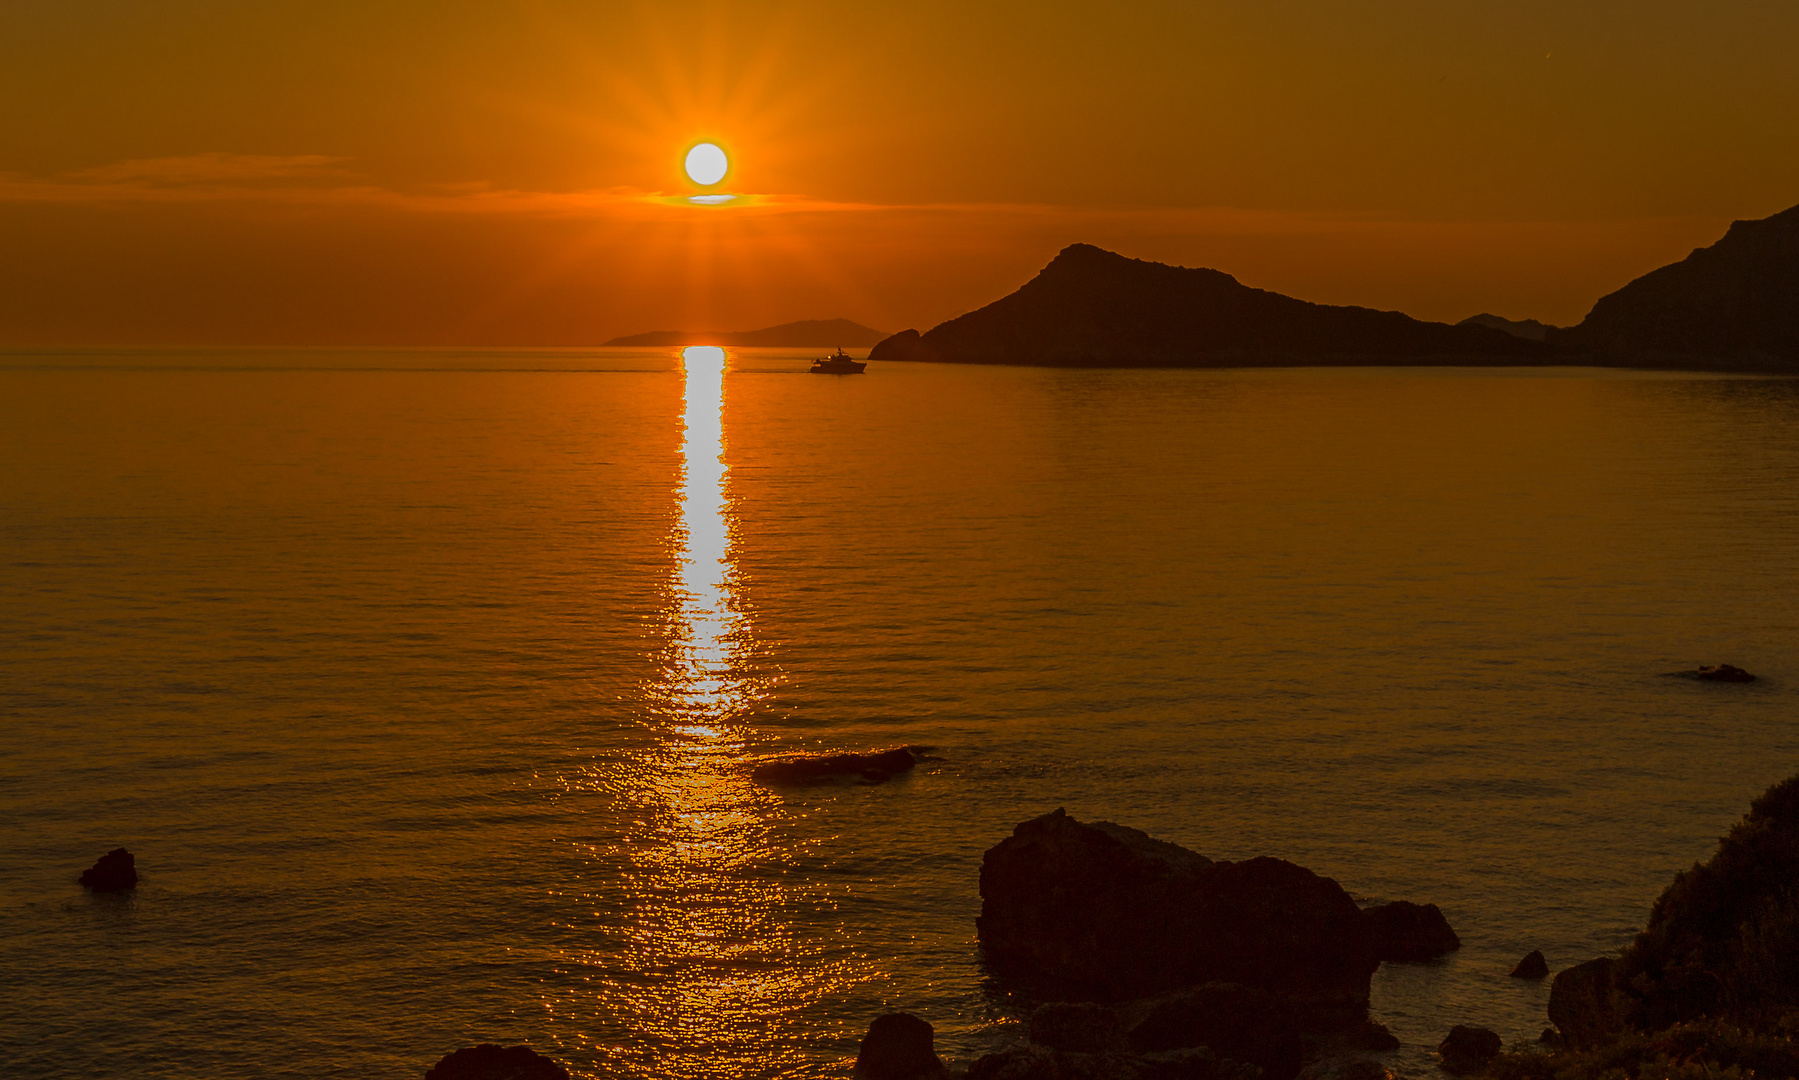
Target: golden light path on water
point(705, 975)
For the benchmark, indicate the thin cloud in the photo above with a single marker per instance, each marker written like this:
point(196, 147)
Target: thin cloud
point(212, 169)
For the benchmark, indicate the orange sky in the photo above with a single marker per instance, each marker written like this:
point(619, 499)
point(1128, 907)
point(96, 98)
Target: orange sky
point(445, 172)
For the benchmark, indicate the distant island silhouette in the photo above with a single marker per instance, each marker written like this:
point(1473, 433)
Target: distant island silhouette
point(1529, 329)
point(808, 333)
point(1732, 306)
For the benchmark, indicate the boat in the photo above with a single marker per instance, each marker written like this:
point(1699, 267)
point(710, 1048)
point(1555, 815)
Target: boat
point(838, 363)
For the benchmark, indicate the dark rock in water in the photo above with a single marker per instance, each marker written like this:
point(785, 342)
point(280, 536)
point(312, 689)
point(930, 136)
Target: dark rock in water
point(1468, 1049)
point(1407, 933)
point(1551, 1038)
point(1584, 1003)
point(1104, 912)
point(115, 871)
point(874, 768)
point(491, 1062)
point(1533, 966)
point(1723, 938)
point(1371, 1035)
point(1716, 673)
point(899, 1046)
point(1238, 1022)
point(1043, 1063)
point(1084, 1027)
point(1732, 305)
point(1345, 1069)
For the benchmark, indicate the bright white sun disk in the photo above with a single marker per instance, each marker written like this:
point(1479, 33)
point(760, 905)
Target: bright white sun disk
point(706, 164)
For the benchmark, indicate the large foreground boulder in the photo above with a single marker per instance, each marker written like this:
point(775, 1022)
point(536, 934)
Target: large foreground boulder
point(493, 1062)
point(1104, 912)
point(1408, 933)
point(115, 871)
point(899, 1046)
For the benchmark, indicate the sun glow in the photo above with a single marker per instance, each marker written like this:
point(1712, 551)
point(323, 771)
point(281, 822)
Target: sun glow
point(706, 164)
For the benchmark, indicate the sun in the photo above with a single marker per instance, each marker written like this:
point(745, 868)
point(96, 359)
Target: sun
point(706, 164)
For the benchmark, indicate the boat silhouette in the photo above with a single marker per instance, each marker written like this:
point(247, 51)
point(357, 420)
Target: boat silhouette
point(838, 363)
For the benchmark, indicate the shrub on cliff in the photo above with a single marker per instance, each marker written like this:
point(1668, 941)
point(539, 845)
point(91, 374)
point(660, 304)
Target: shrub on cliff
point(1708, 1050)
point(1723, 938)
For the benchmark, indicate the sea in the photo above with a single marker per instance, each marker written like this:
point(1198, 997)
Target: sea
point(425, 685)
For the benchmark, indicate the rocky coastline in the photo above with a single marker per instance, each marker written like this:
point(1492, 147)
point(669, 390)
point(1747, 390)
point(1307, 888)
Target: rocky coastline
point(1153, 962)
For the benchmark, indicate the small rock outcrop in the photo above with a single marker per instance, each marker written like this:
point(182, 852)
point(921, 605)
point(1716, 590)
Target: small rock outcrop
point(489, 1061)
point(1467, 1049)
point(1084, 1027)
point(1408, 933)
point(1584, 1004)
point(115, 871)
point(872, 768)
point(899, 1046)
point(1533, 966)
point(1721, 673)
point(1104, 912)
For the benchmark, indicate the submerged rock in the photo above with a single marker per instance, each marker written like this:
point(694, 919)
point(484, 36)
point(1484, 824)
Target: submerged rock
point(1408, 933)
point(899, 1046)
point(1467, 1049)
point(116, 871)
point(1584, 1003)
point(1238, 1022)
point(1085, 1027)
point(1104, 912)
point(1042, 1063)
point(489, 1061)
point(872, 768)
point(1345, 1069)
point(1533, 966)
point(1715, 673)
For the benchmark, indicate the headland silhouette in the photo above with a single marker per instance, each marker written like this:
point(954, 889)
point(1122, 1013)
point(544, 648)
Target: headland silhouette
point(1731, 306)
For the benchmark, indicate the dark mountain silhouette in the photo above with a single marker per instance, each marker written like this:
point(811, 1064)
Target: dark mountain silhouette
point(1732, 305)
point(1093, 308)
point(809, 333)
point(1530, 329)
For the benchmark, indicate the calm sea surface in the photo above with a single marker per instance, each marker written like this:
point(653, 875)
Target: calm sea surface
point(424, 684)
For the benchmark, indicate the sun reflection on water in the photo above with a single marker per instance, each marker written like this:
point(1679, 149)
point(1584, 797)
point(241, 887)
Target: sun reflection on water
point(704, 969)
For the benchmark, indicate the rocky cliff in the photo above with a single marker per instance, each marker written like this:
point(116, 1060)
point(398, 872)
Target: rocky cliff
point(1733, 305)
point(1094, 308)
